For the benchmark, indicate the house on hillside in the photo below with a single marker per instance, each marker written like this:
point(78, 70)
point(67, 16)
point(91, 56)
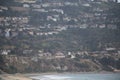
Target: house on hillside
point(26, 1)
point(5, 52)
point(59, 55)
point(118, 1)
point(111, 50)
point(70, 55)
point(46, 55)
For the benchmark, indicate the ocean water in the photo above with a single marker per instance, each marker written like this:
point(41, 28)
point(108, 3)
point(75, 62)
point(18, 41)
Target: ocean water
point(77, 77)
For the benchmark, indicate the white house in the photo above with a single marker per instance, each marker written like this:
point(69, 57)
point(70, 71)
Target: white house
point(5, 52)
point(59, 55)
point(118, 1)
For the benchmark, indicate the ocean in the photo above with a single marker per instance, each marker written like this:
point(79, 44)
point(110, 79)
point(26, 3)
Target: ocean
point(99, 76)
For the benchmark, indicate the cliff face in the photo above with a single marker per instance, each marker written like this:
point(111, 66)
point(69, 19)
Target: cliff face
point(15, 64)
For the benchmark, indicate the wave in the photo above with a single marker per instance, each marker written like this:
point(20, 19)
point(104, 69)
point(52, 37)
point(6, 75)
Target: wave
point(52, 77)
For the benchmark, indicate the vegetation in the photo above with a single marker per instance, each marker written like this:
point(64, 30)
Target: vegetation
point(0, 78)
point(2, 64)
point(71, 40)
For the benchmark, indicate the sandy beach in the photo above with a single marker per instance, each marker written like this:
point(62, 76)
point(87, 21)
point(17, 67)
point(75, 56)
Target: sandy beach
point(26, 76)
point(14, 77)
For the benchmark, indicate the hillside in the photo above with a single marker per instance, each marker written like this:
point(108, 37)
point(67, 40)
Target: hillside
point(59, 35)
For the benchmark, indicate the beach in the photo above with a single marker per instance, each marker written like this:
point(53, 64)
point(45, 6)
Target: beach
point(13, 77)
point(56, 75)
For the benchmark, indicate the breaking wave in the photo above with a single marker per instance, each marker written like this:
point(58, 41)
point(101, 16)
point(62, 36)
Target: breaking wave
point(77, 77)
point(51, 77)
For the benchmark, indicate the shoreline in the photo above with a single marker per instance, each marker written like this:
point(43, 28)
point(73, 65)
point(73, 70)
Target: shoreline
point(14, 77)
point(26, 76)
point(100, 72)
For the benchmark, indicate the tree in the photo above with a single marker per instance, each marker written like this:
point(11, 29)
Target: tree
point(2, 63)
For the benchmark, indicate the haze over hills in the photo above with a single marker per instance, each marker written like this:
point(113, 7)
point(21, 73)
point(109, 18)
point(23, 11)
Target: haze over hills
point(59, 33)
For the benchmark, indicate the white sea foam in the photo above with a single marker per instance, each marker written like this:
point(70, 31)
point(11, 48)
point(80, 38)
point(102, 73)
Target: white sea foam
point(51, 77)
point(77, 77)
point(57, 77)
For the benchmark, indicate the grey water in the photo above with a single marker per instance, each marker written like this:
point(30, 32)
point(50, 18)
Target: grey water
point(69, 76)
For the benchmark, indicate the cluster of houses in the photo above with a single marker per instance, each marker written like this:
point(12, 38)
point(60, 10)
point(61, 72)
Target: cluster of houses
point(13, 21)
point(40, 54)
point(15, 25)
